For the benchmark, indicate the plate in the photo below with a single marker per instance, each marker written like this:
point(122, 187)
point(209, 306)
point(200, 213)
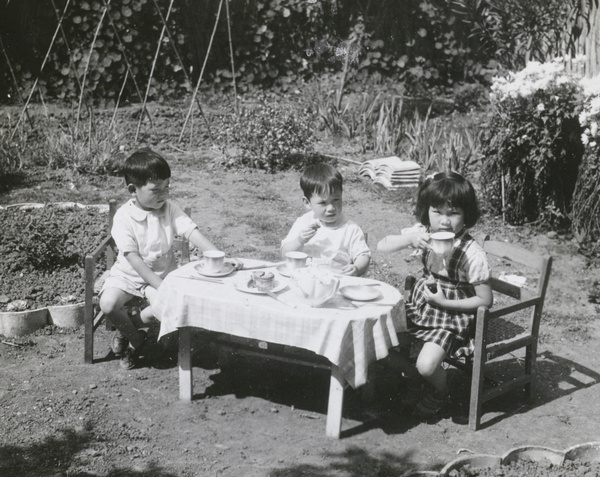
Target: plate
point(226, 270)
point(242, 285)
point(360, 292)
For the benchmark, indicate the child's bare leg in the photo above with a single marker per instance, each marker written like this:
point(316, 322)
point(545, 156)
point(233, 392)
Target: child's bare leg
point(112, 303)
point(147, 314)
point(429, 365)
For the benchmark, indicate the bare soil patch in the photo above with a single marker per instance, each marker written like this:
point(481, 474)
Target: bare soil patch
point(61, 417)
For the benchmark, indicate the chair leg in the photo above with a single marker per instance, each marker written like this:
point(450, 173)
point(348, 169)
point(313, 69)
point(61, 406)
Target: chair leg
point(530, 370)
point(88, 339)
point(475, 404)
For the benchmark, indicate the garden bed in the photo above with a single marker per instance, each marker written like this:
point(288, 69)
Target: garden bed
point(42, 250)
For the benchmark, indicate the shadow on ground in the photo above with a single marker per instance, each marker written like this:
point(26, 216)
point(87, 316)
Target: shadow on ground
point(307, 389)
point(59, 455)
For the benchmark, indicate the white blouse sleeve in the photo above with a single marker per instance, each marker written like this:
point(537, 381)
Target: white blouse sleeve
point(477, 266)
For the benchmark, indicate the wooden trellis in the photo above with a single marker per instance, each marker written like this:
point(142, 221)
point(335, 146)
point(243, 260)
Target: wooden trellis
point(129, 74)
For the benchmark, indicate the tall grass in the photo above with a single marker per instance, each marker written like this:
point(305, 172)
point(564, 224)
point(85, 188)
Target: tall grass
point(14, 146)
point(89, 148)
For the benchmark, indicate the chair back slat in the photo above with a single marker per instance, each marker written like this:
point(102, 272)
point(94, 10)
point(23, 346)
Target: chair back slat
point(505, 288)
point(514, 253)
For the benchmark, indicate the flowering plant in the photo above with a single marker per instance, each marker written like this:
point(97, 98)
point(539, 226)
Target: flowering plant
point(589, 118)
point(533, 146)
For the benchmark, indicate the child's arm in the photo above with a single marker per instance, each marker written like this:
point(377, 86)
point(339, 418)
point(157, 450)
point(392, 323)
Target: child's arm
point(393, 243)
point(143, 270)
point(483, 297)
point(303, 237)
point(200, 241)
point(359, 267)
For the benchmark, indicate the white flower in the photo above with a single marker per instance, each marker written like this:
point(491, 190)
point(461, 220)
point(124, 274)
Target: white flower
point(593, 144)
point(585, 139)
point(540, 107)
point(583, 117)
point(594, 129)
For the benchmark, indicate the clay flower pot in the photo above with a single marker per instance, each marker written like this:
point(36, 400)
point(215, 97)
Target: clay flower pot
point(19, 323)
point(66, 316)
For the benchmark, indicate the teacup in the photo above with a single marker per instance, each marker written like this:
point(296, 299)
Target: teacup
point(214, 260)
point(442, 242)
point(295, 260)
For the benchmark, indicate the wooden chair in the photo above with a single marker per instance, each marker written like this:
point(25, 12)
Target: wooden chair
point(94, 268)
point(512, 324)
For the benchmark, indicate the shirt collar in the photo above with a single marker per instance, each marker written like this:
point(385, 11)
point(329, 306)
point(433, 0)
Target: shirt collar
point(141, 215)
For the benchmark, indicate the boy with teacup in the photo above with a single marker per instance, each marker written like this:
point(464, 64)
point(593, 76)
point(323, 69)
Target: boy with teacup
point(143, 230)
point(324, 233)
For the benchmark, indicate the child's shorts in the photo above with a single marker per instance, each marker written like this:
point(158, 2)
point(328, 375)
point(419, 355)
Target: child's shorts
point(122, 283)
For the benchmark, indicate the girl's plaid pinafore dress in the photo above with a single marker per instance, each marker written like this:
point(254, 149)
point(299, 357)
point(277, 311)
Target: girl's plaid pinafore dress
point(452, 330)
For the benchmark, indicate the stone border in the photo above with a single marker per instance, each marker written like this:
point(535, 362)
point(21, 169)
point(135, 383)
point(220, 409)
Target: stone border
point(589, 452)
point(19, 323)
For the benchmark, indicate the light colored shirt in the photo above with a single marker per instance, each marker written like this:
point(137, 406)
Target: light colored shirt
point(342, 244)
point(475, 269)
point(149, 233)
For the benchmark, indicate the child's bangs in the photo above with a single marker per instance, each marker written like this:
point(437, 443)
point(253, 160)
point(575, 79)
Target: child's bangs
point(448, 193)
point(328, 188)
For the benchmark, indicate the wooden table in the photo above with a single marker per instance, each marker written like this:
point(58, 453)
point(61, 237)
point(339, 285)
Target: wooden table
point(350, 337)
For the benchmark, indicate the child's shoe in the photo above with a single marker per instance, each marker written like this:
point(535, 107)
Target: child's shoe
point(430, 406)
point(119, 343)
point(130, 356)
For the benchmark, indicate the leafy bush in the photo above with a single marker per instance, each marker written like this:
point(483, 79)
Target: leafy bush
point(586, 197)
point(532, 147)
point(271, 138)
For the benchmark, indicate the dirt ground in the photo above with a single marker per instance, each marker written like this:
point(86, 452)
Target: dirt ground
point(61, 417)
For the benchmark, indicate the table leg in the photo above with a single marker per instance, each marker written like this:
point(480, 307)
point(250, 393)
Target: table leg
point(336, 403)
point(186, 385)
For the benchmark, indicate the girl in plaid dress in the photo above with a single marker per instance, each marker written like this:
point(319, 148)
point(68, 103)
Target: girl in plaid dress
point(444, 301)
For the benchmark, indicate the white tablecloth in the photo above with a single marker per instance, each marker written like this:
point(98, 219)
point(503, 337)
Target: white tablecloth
point(350, 338)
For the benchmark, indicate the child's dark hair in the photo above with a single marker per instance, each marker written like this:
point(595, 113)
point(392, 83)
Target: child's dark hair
point(143, 166)
point(447, 188)
point(320, 179)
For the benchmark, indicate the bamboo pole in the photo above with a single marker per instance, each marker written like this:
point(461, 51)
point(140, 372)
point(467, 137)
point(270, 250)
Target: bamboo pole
point(126, 59)
point(34, 86)
point(162, 34)
point(201, 72)
point(183, 68)
point(112, 120)
point(87, 65)
point(14, 78)
point(64, 37)
point(231, 56)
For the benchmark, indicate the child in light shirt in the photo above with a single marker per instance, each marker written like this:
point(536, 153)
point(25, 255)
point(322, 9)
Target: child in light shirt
point(324, 233)
point(143, 229)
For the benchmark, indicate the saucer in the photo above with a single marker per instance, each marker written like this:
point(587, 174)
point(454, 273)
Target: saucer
point(283, 270)
point(242, 285)
point(360, 292)
point(226, 270)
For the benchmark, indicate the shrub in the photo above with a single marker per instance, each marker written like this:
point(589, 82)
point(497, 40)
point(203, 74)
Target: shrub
point(532, 148)
point(270, 138)
point(586, 197)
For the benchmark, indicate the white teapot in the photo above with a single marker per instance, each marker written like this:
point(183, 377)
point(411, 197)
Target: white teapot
point(314, 285)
